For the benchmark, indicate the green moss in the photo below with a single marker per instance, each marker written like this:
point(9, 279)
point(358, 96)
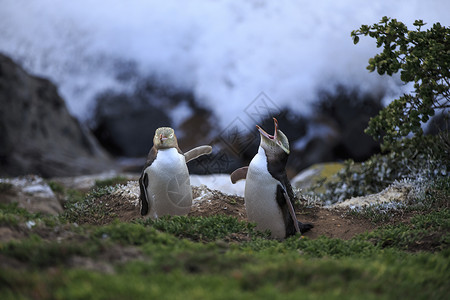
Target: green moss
point(388, 274)
point(219, 257)
point(41, 253)
point(202, 228)
point(377, 214)
point(12, 215)
point(428, 229)
point(132, 234)
point(74, 196)
point(82, 208)
point(384, 274)
point(377, 173)
point(431, 202)
point(56, 187)
point(409, 238)
point(111, 181)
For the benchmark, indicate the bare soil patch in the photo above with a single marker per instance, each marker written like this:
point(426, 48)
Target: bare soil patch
point(331, 223)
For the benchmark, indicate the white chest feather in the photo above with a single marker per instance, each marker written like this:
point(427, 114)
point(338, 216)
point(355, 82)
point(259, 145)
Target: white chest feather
point(169, 189)
point(260, 197)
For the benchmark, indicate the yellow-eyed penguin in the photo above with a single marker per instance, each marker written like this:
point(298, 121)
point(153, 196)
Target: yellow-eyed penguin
point(165, 187)
point(268, 193)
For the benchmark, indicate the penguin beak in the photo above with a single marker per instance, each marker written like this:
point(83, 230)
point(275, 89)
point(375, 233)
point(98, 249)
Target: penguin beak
point(263, 133)
point(275, 134)
point(270, 137)
point(162, 138)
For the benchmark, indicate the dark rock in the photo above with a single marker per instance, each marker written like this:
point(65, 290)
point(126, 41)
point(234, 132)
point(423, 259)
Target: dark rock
point(125, 123)
point(37, 133)
point(234, 147)
point(125, 126)
point(31, 193)
point(336, 131)
point(352, 111)
point(198, 129)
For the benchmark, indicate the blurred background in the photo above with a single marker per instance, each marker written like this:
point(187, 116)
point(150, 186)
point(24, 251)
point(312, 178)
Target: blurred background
point(212, 70)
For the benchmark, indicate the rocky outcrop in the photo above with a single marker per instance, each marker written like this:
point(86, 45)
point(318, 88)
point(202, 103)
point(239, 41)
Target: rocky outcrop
point(125, 124)
point(314, 174)
point(31, 193)
point(37, 133)
point(336, 130)
point(394, 195)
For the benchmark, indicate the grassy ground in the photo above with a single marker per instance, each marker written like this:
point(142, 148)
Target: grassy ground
point(220, 257)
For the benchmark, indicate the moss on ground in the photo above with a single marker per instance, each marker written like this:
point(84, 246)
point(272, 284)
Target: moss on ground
point(111, 181)
point(219, 257)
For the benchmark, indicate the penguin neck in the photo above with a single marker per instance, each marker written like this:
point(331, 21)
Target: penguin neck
point(259, 161)
point(276, 163)
point(261, 151)
point(169, 149)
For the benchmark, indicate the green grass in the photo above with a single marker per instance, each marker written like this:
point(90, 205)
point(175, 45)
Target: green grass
point(200, 228)
point(81, 208)
point(39, 253)
point(178, 268)
point(12, 215)
point(111, 181)
point(56, 187)
point(373, 265)
point(374, 213)
point(219, 257)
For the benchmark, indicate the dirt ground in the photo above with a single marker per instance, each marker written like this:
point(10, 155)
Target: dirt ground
point(330, 223)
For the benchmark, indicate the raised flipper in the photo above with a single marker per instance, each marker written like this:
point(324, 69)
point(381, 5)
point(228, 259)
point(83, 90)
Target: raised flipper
point(197, 152)
point(239, 174)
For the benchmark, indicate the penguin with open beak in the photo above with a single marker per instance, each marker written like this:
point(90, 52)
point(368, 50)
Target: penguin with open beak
point(165, 187)
point(268, 193)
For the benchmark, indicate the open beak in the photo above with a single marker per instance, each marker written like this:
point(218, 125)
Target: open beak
point(162, 138)
point(270, 137)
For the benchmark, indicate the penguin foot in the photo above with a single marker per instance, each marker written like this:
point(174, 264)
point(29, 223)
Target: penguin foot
point(304, 227)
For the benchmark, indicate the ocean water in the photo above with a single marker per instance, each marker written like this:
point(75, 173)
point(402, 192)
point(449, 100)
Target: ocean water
point(227, 53)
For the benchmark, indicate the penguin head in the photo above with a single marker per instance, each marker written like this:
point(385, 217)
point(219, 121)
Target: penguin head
point(165, 138)
point(276, 144)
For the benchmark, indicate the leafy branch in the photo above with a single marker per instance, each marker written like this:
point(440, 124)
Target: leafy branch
point(422, 57)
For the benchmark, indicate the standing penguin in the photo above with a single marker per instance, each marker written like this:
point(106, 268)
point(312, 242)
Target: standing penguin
point(268, 193)
point(164, 183)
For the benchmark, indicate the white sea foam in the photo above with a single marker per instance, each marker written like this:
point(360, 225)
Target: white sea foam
point(226, 52)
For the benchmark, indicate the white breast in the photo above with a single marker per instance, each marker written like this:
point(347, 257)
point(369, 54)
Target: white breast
point(169, 188)
point(260, 192)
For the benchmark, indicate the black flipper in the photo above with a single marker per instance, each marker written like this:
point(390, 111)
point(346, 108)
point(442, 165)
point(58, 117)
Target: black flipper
point(285, 200)
point(291, 211)
point(143, 181)
point(143, 184)
point(288, 220)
